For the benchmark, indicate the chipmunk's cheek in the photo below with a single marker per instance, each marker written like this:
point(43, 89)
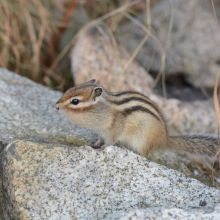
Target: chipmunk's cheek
point(62, 111)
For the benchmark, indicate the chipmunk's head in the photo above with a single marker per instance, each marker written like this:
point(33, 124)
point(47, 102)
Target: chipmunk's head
point(80, 100)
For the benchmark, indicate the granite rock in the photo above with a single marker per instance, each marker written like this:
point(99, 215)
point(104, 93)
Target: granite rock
point(28, 111)
point(167, 213)
point(51, 181)
point(193, 47)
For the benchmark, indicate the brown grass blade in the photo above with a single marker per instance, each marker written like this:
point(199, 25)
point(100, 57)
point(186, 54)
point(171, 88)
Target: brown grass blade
point(217, 110)
point(31, 31)
point(215, 97)
point(213, 6)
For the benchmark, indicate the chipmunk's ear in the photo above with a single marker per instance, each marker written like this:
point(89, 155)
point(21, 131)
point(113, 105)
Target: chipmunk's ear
point(92, 81)
point(98, 91)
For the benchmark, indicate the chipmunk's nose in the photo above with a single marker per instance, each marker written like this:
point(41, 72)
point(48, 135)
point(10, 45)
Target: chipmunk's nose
point(57, 107)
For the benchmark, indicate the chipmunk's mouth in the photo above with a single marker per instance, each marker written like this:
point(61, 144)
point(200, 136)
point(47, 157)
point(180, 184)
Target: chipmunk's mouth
point(57, 107)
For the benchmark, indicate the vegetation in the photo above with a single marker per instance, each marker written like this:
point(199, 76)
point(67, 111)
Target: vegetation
point(31, 33)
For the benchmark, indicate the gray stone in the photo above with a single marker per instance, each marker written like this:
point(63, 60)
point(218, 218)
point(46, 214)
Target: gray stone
point(194, 44)
point(167, 213)
point(28, 111)
point(188, 117)
point(51, 181)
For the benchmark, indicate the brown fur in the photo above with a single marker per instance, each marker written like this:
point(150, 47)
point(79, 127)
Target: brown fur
point(130, 118)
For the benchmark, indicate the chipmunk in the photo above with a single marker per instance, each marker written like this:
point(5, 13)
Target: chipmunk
point(130, 118)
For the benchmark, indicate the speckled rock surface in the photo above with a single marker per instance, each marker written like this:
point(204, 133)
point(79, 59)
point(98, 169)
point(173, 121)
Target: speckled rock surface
point(96, 56)
point(50, 181)
point(166, 213)
point(193, 47)
point(28, 111)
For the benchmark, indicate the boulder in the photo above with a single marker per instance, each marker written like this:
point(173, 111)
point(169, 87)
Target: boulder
point(28, 111)
point(54, 181)
point(193, 47)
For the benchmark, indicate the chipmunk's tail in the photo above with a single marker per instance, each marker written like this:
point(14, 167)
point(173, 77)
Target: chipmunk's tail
point(195, 146)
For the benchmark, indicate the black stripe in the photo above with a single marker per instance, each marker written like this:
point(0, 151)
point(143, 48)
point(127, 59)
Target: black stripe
point(129, 111)
point(134, 99)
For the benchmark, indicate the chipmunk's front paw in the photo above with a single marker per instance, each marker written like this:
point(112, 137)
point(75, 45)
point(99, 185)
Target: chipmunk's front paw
point(97, 144)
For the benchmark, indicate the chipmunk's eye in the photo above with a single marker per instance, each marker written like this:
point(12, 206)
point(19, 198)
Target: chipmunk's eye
point(75, 101)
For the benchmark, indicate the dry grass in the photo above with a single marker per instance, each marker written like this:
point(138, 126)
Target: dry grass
point(24, 26)
point(30, 34)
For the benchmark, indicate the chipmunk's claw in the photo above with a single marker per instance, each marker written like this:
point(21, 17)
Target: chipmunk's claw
point(97, 144)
